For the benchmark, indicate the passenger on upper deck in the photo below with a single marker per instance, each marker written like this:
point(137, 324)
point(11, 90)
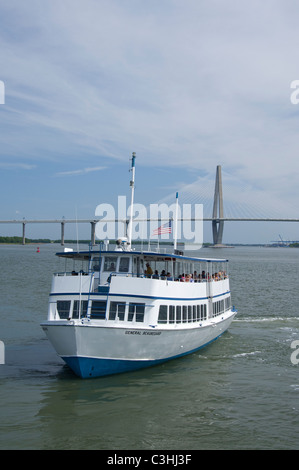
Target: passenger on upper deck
point(148, 271)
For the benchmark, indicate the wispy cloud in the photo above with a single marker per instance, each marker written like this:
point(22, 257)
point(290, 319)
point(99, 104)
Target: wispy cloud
point(16, 166)
point(83, 171)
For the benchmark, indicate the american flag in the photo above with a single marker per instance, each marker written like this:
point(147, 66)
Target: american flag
point(166, 228)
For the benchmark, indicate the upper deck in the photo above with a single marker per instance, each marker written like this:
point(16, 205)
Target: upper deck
point(127, 279)
point(98, 268)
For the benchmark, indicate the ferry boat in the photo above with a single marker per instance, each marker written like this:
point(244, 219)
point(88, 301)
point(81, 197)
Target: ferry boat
point(118, 310)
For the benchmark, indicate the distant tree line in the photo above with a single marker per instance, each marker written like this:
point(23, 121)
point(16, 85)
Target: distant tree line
point(19, 240)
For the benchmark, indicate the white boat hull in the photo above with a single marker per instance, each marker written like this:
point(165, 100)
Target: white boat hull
point(92, 350)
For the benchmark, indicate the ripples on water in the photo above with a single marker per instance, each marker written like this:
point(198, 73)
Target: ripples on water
point(241, 392)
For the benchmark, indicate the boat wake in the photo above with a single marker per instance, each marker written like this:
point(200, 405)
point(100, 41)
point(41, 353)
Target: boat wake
point(265, 319)
point(252, 353)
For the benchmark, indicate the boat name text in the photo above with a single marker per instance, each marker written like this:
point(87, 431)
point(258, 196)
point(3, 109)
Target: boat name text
point(152, 333)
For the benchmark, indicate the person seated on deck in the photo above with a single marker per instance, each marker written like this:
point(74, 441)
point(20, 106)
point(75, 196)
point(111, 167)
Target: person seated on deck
point(169, 277)
point(112, 267)
point(148, 271)
point(182, 277)
point(156, 275)
point(163, 274)
point(203, 275)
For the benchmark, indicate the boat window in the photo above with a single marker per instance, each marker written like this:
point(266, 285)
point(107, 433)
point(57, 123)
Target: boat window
point(112, 311)
point(131, 312)
point(63, 308)
point(178, 314)
point(121, 308)
point(194, 312)
point(227, 301)
point(171, 313)
point(136, 312)
point(205, 312)
point(76, 308)
point(184, 313)
point(138, 267)
point(124, 265)
point(117, 310)
point(189, 313)
point(96, 264)
point(162, 314)
point(98, 310)
point(110, 263)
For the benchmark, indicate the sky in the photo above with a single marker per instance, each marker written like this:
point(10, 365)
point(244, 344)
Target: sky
point(187, 85)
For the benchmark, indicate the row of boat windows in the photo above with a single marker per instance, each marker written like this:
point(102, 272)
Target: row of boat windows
point(221, 306)
point(64, 309)
point(135, 312)
point(190, 313)
point(182, 313)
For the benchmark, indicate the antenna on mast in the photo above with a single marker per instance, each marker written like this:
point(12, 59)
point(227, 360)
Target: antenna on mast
point(132, 185)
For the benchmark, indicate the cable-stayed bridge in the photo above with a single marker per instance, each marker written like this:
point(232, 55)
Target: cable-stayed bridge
point(214, 209)
point(229, 203)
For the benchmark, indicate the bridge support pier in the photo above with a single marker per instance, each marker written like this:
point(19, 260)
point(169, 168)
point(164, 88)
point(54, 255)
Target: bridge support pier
point(23, 233)
point(62, 233)
point(93, 233)
point(218, 225)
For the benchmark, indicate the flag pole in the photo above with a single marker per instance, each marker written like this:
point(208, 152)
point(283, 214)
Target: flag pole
point(132, 185)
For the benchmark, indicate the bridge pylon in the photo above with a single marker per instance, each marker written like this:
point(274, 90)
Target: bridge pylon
point(218, 225)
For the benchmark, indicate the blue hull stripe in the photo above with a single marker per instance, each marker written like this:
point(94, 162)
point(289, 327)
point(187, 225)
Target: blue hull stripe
point(137, 296)
point(87, 367)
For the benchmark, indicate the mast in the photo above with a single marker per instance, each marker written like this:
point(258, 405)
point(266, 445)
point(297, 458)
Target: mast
point(132, 185)
point(175, 234)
